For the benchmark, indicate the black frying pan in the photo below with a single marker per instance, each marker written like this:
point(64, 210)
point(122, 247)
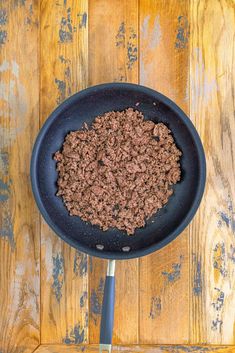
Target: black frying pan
point(114, 244)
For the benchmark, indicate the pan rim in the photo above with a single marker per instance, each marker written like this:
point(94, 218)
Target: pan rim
point(188, 217)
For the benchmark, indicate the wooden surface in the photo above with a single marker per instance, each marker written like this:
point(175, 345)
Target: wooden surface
point(136, 349)
point(51, 294)
point(19, 218)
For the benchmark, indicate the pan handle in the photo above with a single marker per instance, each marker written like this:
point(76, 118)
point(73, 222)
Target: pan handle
point(106, 328)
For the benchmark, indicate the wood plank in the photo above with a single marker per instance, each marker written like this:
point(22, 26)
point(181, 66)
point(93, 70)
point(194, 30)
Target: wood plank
point(19, 218)
point(137, 349)
point(164, 276)
point(115, 25)
point(64, 277)
point(212, 241)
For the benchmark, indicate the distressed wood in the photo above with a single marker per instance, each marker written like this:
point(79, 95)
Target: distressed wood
point(212, 241)
point(19, 218)
point(186, 290)
point(138, 349)
point(64, 277)
point(164, 276)
point(113, 26)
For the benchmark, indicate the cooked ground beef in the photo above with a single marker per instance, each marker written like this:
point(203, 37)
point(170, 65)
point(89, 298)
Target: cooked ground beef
point(119, 172)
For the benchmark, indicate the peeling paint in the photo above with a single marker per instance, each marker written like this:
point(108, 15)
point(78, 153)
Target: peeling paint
point(4, 163)
point(174, 275)
point(58, 275)
point(82, 20)
point(231, 254)
point(6, 230)
point(86, 319)
point(83, 299)
point(61, 85)
point(75, 336)
point(64, 86)
point(3, 37)
point(219, 300)
point(120, 36)
point(197, 281)
point(182, 36)
point(4, 191)
point(217, 324)
point(64, 60)
point(96, 300)
point(80, 264)
point(131, 49)
point(155, 307)
point(66, 30)
point(131, 54)
point(227, 217)
point(131, 45)
point(67, 74)
point(219, 259)
point(3, 17)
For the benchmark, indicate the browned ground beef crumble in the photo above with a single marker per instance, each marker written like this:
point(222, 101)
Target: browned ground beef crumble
point(119, 172)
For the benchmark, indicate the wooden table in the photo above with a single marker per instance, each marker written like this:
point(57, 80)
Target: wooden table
point(180, 299)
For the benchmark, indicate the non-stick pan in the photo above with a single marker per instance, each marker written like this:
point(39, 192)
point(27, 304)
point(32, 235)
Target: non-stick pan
point(114, 244)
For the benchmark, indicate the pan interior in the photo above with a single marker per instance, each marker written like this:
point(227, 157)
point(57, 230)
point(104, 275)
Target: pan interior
point(84, 107)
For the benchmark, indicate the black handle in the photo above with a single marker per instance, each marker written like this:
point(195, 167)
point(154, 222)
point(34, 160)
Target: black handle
point(106, 328)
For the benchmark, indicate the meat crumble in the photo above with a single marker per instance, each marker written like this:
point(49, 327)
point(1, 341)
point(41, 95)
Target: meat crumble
point(119, 172)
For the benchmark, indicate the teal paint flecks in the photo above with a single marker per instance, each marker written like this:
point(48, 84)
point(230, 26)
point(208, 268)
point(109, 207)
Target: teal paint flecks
point(197, 278)
point(231, 254)
point(64, 86)
point(6, 230)
point(3, 17)
point(83, 299)
point(155, 307)
point(128, 43)
point(61, 86)
point(80, 264)
point(174, 274)
point(182, 35)
point(75, 336)
point(120, 36)
point(3, 37)
point(219, 301)
point(96, 301)
point(58, 275)
point(66, 29)
point(132, 51)
point(227, 217)
point(82, 20)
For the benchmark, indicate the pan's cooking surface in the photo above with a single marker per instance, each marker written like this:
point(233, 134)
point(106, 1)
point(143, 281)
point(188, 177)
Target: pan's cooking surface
point(168, 222)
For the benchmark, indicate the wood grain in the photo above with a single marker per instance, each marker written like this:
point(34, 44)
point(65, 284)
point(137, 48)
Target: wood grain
point(19, 218)
point(138, 349)
point(164, 276)
point(212, 241)
point(113, 56)
point(64, 274)
point(184, 292)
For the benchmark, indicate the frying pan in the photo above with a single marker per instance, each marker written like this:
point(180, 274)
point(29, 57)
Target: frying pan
point(114, 244)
